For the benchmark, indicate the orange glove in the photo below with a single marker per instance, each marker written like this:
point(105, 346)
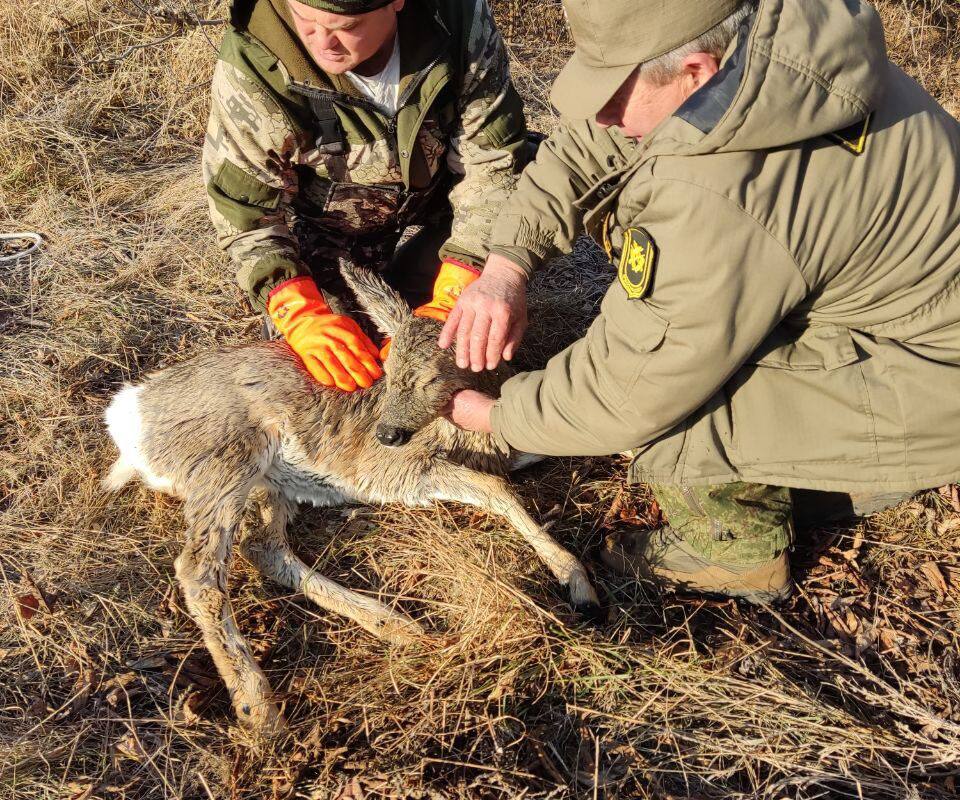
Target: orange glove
point(333, 348)
point(452, 279)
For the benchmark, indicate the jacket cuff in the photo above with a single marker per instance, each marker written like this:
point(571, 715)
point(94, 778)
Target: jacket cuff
point(461, 258)
point(496, 414)
point(527, 261)
point(267, 275)
point(513, 230)
point(508, 417)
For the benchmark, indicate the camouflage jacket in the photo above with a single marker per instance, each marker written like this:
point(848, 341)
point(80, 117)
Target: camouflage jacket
point(300, 167)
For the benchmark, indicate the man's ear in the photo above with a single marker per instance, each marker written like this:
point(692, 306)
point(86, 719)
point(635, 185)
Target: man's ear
point(695, 70)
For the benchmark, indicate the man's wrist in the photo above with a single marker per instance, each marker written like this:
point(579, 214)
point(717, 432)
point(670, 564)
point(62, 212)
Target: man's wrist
point(502, 265)
point(526, 259)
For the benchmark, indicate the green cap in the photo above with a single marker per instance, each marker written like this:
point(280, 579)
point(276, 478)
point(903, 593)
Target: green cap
point(346, 6)
point(613, 37)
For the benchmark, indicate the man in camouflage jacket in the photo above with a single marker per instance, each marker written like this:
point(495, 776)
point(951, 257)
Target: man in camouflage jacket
point(302, 168)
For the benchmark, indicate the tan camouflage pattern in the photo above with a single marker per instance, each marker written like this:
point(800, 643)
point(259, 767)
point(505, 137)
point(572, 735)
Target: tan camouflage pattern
point(731, 523)
point(246, 124)
point(355, 203)
point(488, 171)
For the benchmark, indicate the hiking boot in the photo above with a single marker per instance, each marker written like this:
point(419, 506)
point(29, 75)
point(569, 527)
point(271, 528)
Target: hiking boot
point(662, 556)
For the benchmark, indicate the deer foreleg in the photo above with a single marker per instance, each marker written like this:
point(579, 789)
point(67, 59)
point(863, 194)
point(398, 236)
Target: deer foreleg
point(268, 549)
point(494, 495)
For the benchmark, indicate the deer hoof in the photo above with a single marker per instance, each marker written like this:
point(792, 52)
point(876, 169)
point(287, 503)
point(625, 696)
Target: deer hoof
point(262, 719)
point(393, 627)
point(582, 593)
point(400, 629)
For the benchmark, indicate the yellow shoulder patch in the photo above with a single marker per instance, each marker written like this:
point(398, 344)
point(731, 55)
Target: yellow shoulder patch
point(853, 137)
point(637, 260)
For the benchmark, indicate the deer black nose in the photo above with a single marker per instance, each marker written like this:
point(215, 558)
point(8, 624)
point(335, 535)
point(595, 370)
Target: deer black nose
point(391, 436)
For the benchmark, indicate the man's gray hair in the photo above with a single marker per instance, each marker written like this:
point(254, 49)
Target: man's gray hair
point(715, 41)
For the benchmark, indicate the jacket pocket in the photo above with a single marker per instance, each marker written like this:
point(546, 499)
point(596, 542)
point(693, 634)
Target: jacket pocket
point(622, 341)
point(242, 186)
point(240, 198)
point(823, 347)
point(356, 208)
point(432, 146)
point(802, 400)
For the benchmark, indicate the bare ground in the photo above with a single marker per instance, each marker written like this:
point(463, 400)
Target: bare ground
point(853, 690)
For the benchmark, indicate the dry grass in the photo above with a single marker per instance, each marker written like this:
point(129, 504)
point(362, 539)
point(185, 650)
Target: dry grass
point(851, 691)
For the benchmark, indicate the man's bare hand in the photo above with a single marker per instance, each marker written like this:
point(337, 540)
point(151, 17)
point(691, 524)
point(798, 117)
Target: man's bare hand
point(470, 410)
point(489, 319)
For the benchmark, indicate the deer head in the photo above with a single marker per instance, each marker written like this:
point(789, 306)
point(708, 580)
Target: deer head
point(420, 377)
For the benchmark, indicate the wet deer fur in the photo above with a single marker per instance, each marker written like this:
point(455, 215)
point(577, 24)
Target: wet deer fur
point(247, 428)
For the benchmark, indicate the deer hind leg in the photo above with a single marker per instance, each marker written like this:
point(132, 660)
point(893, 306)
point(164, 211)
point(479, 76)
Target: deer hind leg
point(494, 495)
point(202, 570)
point(267, 548)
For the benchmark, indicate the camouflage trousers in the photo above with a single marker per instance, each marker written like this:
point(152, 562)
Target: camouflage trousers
point(730, 523)
point(749, 523)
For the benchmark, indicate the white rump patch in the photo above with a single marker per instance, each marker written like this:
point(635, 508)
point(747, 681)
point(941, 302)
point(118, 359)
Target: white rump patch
point(125, 426)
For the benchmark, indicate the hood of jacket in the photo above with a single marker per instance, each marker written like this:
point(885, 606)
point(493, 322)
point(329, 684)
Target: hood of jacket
point(796, 70)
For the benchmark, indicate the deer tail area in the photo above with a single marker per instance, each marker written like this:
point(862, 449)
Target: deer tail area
point(125, 426)
point(120, 473)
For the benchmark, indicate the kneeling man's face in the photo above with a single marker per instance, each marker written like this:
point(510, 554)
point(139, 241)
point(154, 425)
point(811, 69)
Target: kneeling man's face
point(342, 42)
point(639, 105)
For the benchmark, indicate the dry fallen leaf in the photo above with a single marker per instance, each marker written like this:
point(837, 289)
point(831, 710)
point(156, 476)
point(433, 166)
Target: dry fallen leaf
point(120, 686)
point(27, 606)
point(80, 789)
point(935, 578)
point(949, 525)
point(129, 746)
point(865, 640)
point(951, 493)
point(191, 709)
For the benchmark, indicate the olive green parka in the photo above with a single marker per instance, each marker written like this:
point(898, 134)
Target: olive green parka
point(797, 319)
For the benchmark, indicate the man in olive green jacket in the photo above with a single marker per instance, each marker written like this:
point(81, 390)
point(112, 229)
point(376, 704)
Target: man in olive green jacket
point(782, 207)
point(335, 125)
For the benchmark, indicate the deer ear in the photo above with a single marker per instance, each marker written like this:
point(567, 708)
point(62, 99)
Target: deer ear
point(382, 304)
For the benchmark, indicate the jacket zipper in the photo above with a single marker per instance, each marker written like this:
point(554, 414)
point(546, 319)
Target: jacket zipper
point(362, 102)
point(694, 504)
point(408, 92)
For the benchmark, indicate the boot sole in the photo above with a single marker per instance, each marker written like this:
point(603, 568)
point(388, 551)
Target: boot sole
point(767, 583)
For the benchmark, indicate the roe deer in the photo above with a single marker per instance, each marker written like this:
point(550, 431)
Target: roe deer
point(249, 425)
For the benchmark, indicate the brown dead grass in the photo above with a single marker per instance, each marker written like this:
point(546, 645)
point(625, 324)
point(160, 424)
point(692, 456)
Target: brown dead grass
point(105, 691)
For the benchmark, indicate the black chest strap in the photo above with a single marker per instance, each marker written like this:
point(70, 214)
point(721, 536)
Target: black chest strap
point(330, 138)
